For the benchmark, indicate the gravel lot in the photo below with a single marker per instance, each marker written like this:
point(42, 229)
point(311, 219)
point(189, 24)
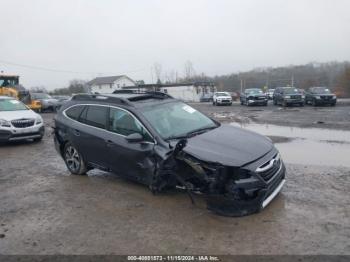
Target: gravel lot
point(44, 210)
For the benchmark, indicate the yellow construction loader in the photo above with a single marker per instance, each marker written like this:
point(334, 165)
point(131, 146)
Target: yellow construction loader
point(9, 86)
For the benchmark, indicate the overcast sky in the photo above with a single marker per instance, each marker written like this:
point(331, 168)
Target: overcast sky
point(109, 37)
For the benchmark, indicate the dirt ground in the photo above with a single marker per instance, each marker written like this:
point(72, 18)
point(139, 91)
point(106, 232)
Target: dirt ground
point(44, 210)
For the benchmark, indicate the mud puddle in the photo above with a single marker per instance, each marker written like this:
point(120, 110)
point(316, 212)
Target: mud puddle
point(308, 146)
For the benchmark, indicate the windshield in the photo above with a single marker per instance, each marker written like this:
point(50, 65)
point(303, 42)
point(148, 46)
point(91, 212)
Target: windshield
point(11, 105)
point(8, 81)
point(290, 91)
point(254, 91)
point(222, 94)
point(176, 119)
point(40, 96)
point(321, 90)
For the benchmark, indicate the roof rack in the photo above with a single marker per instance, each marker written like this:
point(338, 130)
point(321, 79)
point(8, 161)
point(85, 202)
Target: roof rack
point(100, 97)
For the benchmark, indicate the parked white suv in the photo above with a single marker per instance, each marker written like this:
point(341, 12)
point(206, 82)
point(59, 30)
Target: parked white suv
point(222, 98)
point(18, 122)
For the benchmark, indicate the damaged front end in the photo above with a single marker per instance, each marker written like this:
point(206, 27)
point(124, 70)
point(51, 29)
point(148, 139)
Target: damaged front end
point(228, 190)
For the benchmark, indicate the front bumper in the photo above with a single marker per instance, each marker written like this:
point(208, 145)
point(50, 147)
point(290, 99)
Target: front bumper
point(322, 101)
point(257, 101)
point(261, 194)
point(224, 102)
point(291, 101)
point(18, 134)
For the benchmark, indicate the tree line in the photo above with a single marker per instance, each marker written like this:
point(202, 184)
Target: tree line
point(335, 75)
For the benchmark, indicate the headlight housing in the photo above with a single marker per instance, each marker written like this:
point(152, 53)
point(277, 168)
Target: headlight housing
point(334, 97)
point(317, 97)
point(5, 123)
point(303, 97)
point(287, 97)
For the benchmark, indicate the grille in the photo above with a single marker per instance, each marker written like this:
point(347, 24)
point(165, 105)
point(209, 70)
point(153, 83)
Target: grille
point(295, 97)
point(22, 123)
point(270, 168)
point(326, 97)
point(225, 101)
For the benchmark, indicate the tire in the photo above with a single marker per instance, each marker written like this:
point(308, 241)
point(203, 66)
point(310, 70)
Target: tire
point(313, 102)
point(333, 104)
point(302, 104)
point(265, 104)
point(242, 103)
point(274, 102)
point(284, 103)
point(230, 104)
point(73, 160)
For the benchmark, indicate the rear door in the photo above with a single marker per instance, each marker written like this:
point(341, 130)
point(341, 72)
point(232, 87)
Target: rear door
point(133, 159)
point(90, 134)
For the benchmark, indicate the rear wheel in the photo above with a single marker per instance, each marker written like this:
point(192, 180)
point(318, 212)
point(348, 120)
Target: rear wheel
point(73, 160)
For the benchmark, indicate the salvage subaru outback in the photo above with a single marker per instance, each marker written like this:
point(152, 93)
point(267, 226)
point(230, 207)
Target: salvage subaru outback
point(164, 143)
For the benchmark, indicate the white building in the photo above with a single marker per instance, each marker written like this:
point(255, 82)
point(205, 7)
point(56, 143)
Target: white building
point(193, 92)
point(108, 84)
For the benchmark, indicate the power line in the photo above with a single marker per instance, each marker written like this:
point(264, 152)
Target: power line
point(62, 71)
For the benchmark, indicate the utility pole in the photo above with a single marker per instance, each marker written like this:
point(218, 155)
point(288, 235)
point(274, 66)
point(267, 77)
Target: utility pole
point(241, 86)
point(293, 80)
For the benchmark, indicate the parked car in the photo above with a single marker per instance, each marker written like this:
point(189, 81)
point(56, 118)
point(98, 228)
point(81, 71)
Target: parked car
point(206, 98)
point(164, 143)
point(269, 93)
point(222, 98)
point(320, 96)
point(18, 122)
point(253, 96)
point(61, 99)
point(47, 102)
point(287, 96)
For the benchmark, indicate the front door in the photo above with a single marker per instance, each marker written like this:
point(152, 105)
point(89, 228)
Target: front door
point(132, 159)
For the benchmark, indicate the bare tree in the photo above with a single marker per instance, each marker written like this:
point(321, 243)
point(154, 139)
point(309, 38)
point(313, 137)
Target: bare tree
point(189, 70)
point(157, 69)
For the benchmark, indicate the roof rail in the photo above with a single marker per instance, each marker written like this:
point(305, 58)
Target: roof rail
point(154, 94)
point(105, 98)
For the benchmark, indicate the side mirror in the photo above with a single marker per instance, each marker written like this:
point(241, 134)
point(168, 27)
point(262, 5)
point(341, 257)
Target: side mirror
point(134, 138)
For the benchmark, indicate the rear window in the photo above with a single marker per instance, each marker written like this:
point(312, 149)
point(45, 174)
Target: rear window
point(74, 112)
point(94, 116)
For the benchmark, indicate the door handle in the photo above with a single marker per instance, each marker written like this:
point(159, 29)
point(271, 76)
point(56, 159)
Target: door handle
point(76, 132)
point(110, 143)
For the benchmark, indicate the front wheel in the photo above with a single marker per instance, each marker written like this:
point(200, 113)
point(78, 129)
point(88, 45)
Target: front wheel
point(73, 160)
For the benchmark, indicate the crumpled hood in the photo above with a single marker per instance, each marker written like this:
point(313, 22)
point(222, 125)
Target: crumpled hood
point(228, 145)
point(11, 115)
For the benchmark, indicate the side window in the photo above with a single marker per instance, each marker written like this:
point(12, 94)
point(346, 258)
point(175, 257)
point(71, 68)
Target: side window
point(74, 112)
point(123, 123)
point(94, 116)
